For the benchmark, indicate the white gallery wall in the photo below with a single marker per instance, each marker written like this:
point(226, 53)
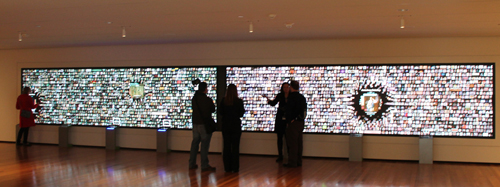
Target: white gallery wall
point(340, 51)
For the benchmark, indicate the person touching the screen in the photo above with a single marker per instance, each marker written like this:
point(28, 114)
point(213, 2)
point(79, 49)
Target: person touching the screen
point(296, 112)
point(203, 107)
point(231, 109)
point(280, 123)
point(26, 118)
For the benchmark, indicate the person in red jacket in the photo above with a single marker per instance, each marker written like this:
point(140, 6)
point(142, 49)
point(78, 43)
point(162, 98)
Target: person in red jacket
point(26, 118)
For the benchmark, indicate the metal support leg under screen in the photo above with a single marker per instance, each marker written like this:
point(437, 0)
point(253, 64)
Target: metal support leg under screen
point(111, 138)
point(64, 136)
point(356, 147)
point(425, 147)
point(162, 141)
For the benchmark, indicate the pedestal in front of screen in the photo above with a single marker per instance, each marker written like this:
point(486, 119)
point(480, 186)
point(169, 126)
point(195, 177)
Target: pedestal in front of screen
point(162, 141)
point(356, 147)
point(111, 135)
point(64, 136)
point(425, 146)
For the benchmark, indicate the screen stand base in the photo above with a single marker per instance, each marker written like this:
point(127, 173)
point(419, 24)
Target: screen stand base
point(64, 136)
point(162, 141)
point(111, 138)
point(425, 147)
point(356, 147)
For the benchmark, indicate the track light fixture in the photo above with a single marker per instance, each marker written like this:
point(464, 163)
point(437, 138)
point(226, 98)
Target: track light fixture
point(20, 37)
point(402, 23)
point(124, 33)
point(250, 28)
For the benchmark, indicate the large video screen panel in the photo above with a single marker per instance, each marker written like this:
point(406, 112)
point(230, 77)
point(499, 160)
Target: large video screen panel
point(128, 97)
point(437, 100)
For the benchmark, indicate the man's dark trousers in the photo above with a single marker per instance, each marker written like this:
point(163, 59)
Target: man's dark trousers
point(294, 143)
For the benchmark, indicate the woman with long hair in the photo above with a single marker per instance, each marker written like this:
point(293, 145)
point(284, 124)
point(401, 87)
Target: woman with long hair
point(231, 109)
point(26, 118)
point(280, 122)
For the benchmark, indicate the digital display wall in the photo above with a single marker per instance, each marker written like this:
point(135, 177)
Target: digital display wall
point(127, 97)
point(438, 100)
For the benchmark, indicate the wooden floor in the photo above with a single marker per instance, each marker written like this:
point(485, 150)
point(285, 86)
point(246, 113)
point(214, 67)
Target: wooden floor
point(48, 165)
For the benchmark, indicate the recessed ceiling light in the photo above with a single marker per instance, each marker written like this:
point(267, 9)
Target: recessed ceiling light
point(403, 10)
point(38, 26)
point(109, 22)
point(240, 16)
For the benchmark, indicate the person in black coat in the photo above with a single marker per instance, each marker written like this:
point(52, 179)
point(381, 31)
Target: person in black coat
point(231, 109)
point(296, 113)
point(280, 122)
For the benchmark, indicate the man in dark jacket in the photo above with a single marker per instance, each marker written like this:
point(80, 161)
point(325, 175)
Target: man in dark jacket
point(296, 111)
point(203, 107)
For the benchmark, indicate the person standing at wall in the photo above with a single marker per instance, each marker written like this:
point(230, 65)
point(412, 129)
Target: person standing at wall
point(26, 118)
point(296, 112)
point(280, 122)
point(231, 109)
point(203, 107)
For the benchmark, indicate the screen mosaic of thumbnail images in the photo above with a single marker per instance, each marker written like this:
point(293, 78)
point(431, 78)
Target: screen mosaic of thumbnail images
point(439, 100)
point(131, 97)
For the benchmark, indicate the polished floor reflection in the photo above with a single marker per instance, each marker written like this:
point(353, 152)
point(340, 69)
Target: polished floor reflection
point(48, 165)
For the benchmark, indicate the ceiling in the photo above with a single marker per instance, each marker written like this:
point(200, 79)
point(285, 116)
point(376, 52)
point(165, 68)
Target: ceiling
point(63, 23)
